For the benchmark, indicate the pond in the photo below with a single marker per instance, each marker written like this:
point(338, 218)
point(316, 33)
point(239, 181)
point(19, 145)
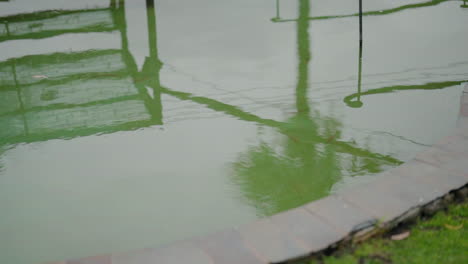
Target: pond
point(133, 124)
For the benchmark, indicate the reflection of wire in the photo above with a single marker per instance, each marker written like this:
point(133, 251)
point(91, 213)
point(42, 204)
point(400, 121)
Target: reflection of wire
point(367, 131)
point(211, 84)
point(369, 13)
point(327, 88)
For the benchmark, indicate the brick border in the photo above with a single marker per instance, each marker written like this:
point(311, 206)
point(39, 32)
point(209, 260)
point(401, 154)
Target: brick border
point(395, 196)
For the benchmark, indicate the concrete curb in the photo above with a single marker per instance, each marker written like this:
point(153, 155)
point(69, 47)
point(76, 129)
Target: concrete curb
point(422, 185)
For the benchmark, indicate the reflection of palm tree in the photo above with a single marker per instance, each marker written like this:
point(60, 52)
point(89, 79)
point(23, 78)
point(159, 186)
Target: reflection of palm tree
point(307, 169)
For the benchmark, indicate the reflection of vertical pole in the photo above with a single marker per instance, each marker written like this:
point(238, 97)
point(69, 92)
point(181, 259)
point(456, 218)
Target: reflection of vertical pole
point(153, 65)
point(120, 21)
point(360, 52)
point(360, 22)
point(20, 98)
point(149, 3)
point(7, 27)
point(359, 72)
point(151, 18)
point(116, 3)
point(303, 49)
point(277, 9)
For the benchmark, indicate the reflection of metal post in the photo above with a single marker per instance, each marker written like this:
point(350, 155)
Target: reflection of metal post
point(359, 74)
point(116, 3)
point(153, 65)
point(277, 9)
point(20, 98)
point(277, 17)
point(360, 22)
point(360, 52)
point(303, 53)
point(358, 103)
point(7, 27)
point(151, 19)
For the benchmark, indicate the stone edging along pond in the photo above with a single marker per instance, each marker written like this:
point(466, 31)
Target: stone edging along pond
point(420, 186)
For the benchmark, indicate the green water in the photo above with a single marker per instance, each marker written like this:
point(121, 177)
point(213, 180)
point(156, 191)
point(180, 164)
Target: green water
point(124, 126)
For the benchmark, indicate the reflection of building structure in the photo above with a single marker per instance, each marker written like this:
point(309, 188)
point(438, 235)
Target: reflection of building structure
point(53, 23)
point(81, 93)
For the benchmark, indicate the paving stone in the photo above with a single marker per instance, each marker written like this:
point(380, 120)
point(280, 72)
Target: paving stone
point(457, 142)
point(227, 247)
point(92, 260)
point(344, 216)
point(390, 197)
point(307, 227)
point(438, 181)
point(271, 243)
point(464, 109)
point(451, 161)
point(462, 126)
point(464, 102)
point(177, 253)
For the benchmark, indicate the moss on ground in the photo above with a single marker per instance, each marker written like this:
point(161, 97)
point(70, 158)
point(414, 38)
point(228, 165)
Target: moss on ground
point(441, 239)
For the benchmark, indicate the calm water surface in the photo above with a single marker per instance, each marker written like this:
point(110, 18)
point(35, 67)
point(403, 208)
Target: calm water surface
point(124, 125)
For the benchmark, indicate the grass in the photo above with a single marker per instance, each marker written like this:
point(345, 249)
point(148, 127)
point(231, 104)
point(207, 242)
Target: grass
point(440, 239)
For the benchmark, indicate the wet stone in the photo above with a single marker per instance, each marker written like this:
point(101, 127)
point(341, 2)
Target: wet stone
point(92, 260)
point(272, 243)
point(344, 216)
point(409, 216)
point(434, 207)
point(309, 228)
point(389, 197)
point(437, 181)
point(227, 247)
point(451, 161)
point(174, 254)
point(462, 193)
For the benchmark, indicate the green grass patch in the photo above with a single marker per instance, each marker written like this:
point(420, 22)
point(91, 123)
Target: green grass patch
point(441, 239)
